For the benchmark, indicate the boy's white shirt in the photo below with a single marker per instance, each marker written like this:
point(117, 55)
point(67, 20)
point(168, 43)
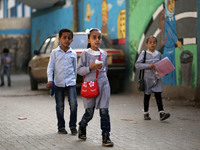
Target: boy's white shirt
point(64, 78)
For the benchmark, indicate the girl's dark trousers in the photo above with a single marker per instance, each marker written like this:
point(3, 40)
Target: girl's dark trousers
point(158, 101)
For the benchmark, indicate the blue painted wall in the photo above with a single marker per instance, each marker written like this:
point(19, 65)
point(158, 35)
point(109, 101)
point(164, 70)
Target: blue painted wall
point(114, 8)
point(48, 22)
point(15, 31)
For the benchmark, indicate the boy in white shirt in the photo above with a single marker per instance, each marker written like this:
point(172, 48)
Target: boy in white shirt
point(62, 69)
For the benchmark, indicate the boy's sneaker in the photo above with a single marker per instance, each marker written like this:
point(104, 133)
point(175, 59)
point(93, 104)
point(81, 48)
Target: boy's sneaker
point(62, 131)
point(107, 142)
point(147, 117)
point(82, 133)
point(164, 116)
point(73, 131)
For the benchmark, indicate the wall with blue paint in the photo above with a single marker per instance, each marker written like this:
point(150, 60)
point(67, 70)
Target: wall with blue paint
point(48, 22)
point(95, 14)
point(15, 31)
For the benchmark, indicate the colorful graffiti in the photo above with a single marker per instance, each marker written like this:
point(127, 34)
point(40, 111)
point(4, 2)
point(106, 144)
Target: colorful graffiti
point(88, 12)
point(169, 39)
point(104, 13)
point(107, 15)
point(170, 26)
point(121, 22)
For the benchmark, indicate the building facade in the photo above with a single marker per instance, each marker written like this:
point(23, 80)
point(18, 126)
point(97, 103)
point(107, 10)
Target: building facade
point(15, 32)
point(14, 9)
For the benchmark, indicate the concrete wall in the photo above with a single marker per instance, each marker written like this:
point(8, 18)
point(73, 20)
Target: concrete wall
point(15, 35)
point(14, 24)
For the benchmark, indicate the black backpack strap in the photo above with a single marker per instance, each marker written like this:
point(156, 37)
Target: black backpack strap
point(142, 71)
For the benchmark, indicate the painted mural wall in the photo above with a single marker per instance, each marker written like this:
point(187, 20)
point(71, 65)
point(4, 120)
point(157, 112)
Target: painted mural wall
point(174, 24)
point(107, 15)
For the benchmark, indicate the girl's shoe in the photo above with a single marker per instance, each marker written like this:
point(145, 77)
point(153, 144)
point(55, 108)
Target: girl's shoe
point(82, 133)
point(62, 131)
point(107, 142)
point(73, 131)
point(164, 116)
point(147, 117)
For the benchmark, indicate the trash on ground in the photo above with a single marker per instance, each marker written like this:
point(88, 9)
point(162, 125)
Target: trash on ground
point(127, 119)
point(22, 118)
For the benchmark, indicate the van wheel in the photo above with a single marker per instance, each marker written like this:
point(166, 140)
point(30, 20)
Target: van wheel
point(33, 82)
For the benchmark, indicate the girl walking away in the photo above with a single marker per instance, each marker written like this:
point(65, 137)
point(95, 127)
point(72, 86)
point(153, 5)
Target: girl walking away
point(87, 67)
point(152, 84)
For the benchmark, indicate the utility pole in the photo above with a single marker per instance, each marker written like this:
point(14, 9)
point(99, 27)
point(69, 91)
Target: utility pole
point(197, 97)
point(75, 14)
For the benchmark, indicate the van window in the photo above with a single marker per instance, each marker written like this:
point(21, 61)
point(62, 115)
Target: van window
point(44, 45)
point(50, 45)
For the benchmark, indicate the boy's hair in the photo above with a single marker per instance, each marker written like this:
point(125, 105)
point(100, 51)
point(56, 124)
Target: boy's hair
point(65, 30)
point(89, 32)
point(151, 37)
point(5, 50)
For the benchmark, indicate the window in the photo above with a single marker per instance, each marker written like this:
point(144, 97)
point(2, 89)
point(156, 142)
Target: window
point(12, 12)
point(44, 45)
point(50, 45)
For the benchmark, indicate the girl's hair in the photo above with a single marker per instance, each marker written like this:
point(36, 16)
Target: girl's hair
point(88, 31)
point(151, 37)
point(65, 30)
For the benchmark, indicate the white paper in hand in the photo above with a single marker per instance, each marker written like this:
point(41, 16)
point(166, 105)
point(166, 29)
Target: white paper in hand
point(98, 62)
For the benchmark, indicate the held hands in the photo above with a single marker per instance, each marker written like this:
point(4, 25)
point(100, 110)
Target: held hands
point(151, 66)
point(94, 66)
point(48, 85)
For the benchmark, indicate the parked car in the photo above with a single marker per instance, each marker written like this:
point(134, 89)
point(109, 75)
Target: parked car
point(38, 64)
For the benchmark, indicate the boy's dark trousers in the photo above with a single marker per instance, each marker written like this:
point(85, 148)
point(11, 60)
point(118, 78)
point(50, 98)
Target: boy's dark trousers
point(60, 103)
point(158, 101)
point(5, 70)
